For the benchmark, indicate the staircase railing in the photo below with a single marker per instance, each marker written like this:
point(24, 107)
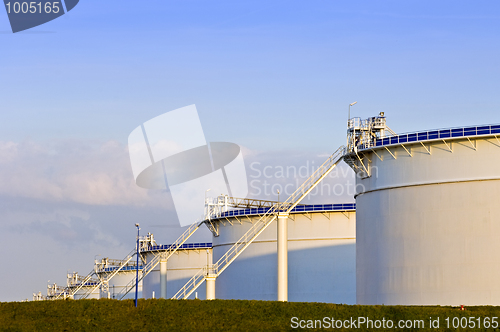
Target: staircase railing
point(259, 226)
point(157, 257)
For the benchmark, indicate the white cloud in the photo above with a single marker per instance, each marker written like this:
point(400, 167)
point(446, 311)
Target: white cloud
point(94, 174)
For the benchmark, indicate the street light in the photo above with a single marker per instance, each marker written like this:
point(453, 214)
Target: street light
point(207, 209)
point(137, 268)
point(348, 123)
point(95, 261)
point(349, 116)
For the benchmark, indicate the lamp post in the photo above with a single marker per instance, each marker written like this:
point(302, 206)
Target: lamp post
point(207, 211)
point(351, 104)
point(348, 119)
point(349, 114)
point(96, 265)
point(137, 268)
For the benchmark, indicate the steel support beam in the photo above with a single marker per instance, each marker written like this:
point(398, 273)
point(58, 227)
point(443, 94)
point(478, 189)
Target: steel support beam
point(210, 280)
point(282, 242)
point(163, 279)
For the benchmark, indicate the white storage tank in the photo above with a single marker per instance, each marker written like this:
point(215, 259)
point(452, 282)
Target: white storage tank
point(94, 295)
point(106, 267)
point(74, 281)
point(321, 255)
point(179, 268)
point(428, 226)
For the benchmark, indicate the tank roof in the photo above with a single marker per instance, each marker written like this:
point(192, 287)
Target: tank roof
point(437, 134)
point(202, 245)
point(297, 209)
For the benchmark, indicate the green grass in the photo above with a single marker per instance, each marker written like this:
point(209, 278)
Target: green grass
point(217, 315)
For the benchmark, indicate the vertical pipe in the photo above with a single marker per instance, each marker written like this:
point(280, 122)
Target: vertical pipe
point(282, 242)
point(163, 279)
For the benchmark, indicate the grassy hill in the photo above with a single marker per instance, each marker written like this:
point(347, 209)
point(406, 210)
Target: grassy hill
point(229, 315)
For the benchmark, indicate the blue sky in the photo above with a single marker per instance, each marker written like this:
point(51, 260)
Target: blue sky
point(273, 76)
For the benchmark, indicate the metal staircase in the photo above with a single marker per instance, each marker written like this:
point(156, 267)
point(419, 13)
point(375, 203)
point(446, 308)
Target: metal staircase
point(157, 257)
point(105, 278)
point(92, 280)
point(259, 226)
point(55, 292)
point(216, 207)
point(69, 291)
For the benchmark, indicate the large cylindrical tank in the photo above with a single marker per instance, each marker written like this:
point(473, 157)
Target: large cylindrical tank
point(84, 290)
point(74, 282)
point(428, 225)
point(321, 256)
point(180, 267)
point(119, 281)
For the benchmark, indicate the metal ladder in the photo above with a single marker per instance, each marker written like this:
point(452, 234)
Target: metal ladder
point(157, 257)
point(258, 227)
